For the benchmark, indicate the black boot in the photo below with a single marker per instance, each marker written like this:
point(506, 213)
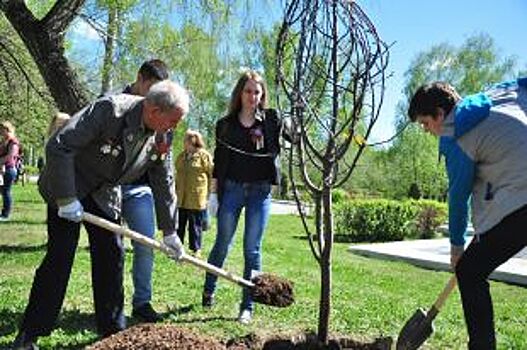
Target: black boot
point(24, 342)
point(146, 313)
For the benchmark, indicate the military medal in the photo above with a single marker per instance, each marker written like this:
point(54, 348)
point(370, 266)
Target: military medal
point(105, 149)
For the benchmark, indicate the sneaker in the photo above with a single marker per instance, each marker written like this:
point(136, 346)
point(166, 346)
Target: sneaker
point(24, 342)
point(146, 313)
point(207, 300)
point(245, 316)
point(4, 218)
point(197, 254)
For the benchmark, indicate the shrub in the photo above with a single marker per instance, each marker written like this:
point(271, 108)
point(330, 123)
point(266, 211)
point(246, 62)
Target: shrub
point(430, 216)
point(339, 195)
point(376, 220)
point(380, 220)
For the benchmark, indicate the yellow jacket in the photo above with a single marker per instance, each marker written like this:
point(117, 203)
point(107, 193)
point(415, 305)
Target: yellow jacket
point(193, 179)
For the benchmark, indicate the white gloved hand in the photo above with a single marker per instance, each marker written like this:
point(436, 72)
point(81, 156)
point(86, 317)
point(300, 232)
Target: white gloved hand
point(212, 205)
point(172, 241)
point(72, 211)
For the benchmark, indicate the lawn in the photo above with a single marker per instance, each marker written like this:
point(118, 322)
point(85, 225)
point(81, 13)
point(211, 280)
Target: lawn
point(371, 298)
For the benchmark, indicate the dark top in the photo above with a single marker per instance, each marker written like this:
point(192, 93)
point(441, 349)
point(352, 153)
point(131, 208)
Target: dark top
point(245, 164)
point(102, 147)
point(232, 140)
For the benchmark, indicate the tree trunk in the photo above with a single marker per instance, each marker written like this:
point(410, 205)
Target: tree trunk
point(44, 40)
point(325, 267)
point(109, 49)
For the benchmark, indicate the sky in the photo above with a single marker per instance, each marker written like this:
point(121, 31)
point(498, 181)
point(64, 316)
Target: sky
point(414, 26)
point(417, 25)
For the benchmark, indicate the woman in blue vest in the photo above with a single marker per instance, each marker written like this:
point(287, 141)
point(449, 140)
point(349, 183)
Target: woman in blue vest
point(483, 138)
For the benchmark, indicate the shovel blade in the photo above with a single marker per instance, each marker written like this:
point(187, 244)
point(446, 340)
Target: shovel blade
point(415, 332)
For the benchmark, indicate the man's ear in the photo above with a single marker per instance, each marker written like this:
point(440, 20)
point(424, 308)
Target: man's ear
point(440, 114)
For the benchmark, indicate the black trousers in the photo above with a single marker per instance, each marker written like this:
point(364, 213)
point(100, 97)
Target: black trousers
point(52, 276)
point(194, 217)
point(484, 254)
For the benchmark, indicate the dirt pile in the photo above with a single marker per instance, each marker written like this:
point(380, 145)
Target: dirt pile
point(272, 290)
point(149, 336)
point(169, 337)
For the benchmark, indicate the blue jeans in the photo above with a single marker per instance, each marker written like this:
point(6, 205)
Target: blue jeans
point(256, 198)
point(9, 179)
point(138, 212)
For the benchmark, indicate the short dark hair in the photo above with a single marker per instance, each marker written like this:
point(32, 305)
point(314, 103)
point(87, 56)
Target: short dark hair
point(428, 98)
point(154, 70)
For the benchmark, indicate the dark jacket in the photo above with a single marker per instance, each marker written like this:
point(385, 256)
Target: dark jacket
point(103, 146)
point(272, 130)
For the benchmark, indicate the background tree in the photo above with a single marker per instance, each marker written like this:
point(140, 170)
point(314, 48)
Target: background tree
point(330, 64)
point(192, 37)
point(471, 67)
point(44, 39)
point(24, 98)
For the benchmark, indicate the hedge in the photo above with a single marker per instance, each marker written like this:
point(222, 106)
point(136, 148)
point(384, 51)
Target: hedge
point(381, 220)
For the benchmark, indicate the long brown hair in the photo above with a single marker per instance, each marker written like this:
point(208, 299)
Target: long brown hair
point(236, 97)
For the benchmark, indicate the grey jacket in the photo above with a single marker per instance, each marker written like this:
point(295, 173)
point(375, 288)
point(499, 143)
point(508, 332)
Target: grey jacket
point(484, 142)
point(103, 146)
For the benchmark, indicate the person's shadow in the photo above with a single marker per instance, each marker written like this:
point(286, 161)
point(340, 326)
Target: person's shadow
point(173, 313)
point(70, 322)
point(22, 248)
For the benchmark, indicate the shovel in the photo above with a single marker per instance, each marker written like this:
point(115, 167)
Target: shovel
point(419, 327)
point(265, 288)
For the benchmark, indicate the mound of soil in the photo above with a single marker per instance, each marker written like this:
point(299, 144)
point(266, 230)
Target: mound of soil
point(272, 290)
point(149, 336)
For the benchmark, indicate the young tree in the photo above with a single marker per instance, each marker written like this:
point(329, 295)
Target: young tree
point(331, 67)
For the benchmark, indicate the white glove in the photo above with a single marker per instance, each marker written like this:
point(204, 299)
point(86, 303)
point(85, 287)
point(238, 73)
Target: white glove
point(173, 242)
point(212, 205)
point(72, 211)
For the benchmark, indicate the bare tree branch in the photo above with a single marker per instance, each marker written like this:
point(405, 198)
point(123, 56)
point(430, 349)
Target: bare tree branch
point(330, 60)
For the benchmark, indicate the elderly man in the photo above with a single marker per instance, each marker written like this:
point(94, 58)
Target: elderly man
point(108, 143)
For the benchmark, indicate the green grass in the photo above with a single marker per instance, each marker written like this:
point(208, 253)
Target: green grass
point(371, 298)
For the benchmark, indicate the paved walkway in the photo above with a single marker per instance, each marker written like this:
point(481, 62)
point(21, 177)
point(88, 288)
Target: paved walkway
point(282, 207)
point(435, 254)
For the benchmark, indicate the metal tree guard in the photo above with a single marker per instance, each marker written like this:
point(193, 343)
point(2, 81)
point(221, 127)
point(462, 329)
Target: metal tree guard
point(331, 67)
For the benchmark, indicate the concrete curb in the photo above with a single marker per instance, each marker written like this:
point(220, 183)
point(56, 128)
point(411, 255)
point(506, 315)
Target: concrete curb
point(435, 254)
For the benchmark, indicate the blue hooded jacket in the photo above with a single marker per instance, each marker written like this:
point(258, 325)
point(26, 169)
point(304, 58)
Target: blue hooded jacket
point(481, 141)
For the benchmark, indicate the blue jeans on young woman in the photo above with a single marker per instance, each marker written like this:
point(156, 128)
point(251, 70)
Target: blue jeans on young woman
point(138, 212)
point(256, 199)
point(9, 179)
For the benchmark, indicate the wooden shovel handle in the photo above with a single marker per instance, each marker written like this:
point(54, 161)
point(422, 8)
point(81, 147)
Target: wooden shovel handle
point(152, 243)
point(451, 284)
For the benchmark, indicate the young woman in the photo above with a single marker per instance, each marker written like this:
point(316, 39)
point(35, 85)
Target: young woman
point(245, 167)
